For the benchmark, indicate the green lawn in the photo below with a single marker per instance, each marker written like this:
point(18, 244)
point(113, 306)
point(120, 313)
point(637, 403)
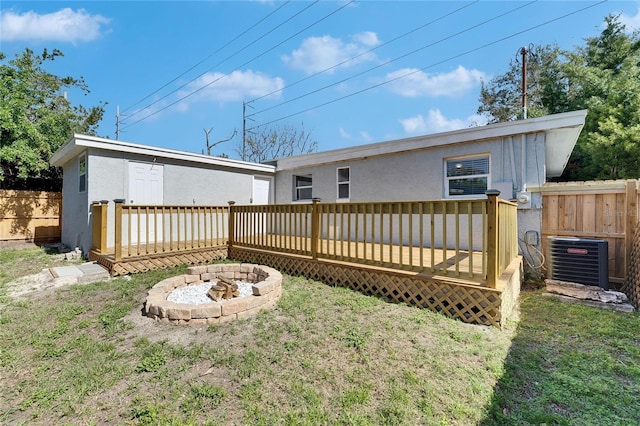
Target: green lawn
point(85, 355)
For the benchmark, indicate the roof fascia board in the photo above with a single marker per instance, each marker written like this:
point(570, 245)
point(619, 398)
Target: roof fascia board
point(86, 141)
point(473, 134)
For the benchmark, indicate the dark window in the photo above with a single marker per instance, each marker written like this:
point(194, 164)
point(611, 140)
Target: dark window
point(343, 182)
point(302, 186)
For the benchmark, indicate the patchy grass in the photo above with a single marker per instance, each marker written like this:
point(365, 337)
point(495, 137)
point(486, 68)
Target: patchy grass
point(20, 262)
point(85, 355)
point(570, 364)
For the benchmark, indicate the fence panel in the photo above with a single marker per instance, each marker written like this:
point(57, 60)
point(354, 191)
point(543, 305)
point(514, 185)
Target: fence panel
point(606, 210)
point(30, 215)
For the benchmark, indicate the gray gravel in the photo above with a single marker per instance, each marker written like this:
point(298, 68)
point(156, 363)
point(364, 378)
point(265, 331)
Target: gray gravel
point(196, 294)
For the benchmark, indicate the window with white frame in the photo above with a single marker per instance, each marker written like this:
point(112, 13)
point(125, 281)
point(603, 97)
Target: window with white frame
point(82, 173)
point(467, 176)
point(302, 187)
point(344, 182)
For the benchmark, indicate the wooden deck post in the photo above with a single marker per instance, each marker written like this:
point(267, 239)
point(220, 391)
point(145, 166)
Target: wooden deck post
point(631, 221)
point(492, 237)
point(231, 224)
point(315, 227)
point(99, 227)
point(118, 237)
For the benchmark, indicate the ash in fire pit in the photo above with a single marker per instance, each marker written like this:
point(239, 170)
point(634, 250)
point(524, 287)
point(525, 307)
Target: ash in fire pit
point(238, 290)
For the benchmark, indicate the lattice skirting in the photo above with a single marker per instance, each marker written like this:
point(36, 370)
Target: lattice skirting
point(631, 285)
point(134, 265)
point(472, 304)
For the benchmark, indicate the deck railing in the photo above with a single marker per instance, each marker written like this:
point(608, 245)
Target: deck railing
point(468, 239)
point(144, 230)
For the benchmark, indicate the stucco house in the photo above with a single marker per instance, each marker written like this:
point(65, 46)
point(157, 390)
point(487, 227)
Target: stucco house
point(514, 157)
point(96, 169)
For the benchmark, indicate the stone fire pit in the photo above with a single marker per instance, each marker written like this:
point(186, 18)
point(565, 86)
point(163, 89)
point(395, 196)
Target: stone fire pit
point(266, 285)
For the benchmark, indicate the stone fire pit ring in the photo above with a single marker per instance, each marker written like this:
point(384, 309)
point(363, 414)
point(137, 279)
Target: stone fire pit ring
point(267, 289)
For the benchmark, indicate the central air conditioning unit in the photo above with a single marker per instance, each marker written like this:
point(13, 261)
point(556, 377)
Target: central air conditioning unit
point(578, 260)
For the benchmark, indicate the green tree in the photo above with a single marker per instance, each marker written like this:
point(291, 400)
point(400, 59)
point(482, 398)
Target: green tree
point(501, 98)
point(603, 76)
point(36, 119)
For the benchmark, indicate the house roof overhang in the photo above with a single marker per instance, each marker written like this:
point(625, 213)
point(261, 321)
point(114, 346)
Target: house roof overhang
point(79, 143)
point(561, 133)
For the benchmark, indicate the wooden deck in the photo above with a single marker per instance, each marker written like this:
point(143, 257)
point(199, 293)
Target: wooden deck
point(452, 263)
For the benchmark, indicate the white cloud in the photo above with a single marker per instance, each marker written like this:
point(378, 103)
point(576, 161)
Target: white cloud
point(363, 135)
point(64, 25)
point(232, 87)
point(319, 53)
point(631, 22)
point(418, 83)
point(436, 122)
point(344, 134)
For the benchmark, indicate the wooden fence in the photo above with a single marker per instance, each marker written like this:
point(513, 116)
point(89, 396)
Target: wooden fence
point(605, 210)
point(30, 216)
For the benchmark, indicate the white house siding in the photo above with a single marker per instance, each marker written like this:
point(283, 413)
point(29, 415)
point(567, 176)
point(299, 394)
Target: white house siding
point(75, 212)
point(187, 180)
point(188, 184)
point(419, 175)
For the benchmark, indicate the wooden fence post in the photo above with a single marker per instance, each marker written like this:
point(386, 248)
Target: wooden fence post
point(315, 227)
point(231, 224)
point(631, 221)
point(492, 237)
point(118, 225)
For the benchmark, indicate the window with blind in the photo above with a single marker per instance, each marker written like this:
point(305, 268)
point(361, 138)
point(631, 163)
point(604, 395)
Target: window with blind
point(467, 176)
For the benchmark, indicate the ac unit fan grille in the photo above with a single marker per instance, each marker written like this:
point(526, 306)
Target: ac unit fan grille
point(579, 260)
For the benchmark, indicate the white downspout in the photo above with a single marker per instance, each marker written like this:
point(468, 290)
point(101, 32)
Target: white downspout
point(513, 165)
point(523, 173)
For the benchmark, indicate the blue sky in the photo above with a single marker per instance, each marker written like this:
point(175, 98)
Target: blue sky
point(350, 73)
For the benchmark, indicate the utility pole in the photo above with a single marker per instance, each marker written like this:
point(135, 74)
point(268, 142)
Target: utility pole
point(117, 122)
point(244, 129)
point(524, 53)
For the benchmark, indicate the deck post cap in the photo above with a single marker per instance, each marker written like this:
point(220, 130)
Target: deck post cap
point(492, 192)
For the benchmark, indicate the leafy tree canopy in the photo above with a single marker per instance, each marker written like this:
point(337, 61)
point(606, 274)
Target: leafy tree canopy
point(602, 76)
point(276, 142)
point(36, 119)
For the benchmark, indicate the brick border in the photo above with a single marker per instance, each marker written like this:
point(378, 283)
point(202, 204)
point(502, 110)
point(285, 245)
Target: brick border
point(267, 289)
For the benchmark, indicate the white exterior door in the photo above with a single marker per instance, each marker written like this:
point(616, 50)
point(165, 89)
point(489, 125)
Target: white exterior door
point(145, 183)
point(261, 190)
point(146, 188)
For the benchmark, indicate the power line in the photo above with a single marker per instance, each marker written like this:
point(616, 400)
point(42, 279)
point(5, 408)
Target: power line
point(208, 57)
point(366, 52)
point(227, 58)
point(397, 58)
point(434, 64)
